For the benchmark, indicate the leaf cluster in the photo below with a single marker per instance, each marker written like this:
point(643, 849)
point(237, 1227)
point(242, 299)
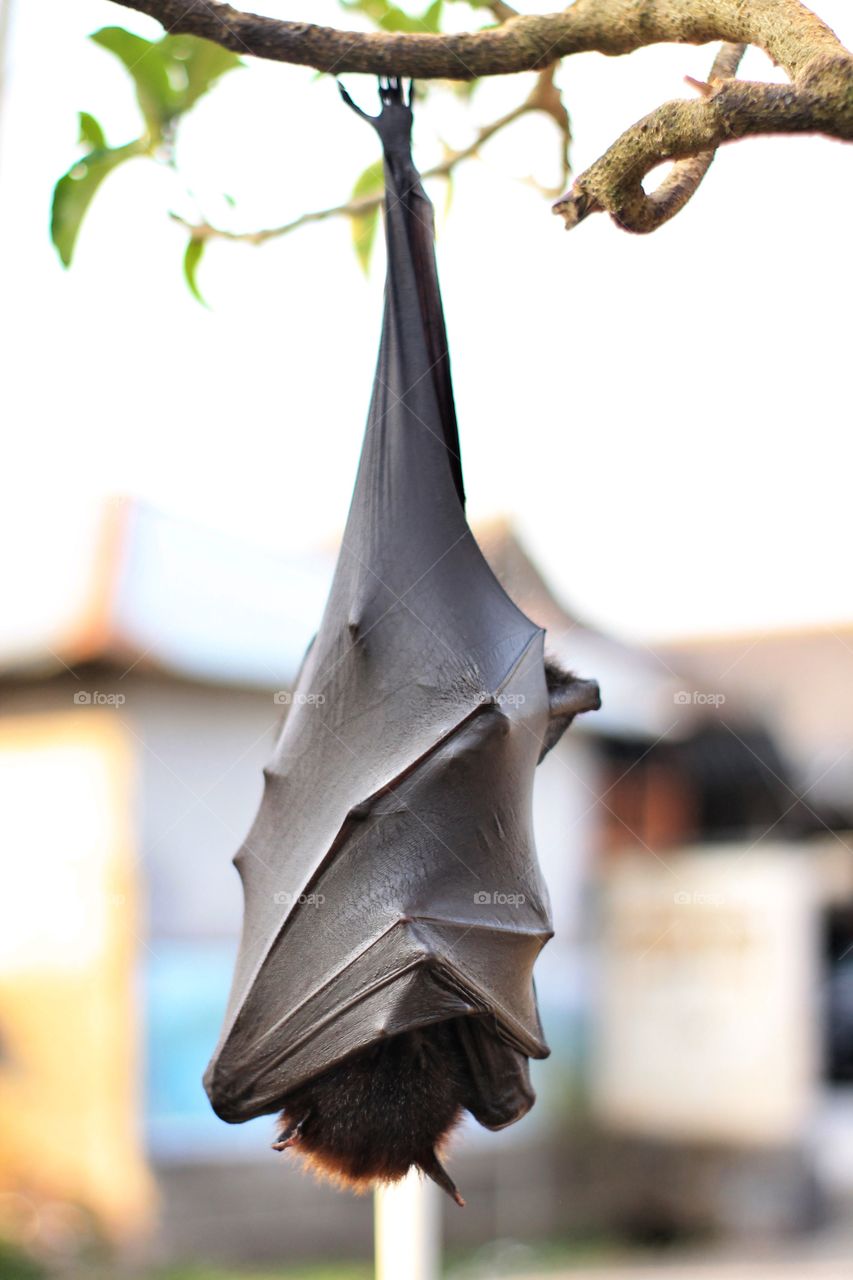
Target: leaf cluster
point(169, 76)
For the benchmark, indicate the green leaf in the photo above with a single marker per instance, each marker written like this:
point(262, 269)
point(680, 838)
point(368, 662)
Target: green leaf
point(364, 224)
point(389, 17)
point(149, 70)
point(170, 74)
point(91, 133)
point(73, 194)
point(202, 63)
point(464, 89)
point(431, 20)
point(376, 10)
point(192, 257)
point(363, 235)
point(448, 195)
point(370, 182)
point(476, 4)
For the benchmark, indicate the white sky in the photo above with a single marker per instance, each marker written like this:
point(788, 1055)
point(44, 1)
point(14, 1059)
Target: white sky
point(667, 419)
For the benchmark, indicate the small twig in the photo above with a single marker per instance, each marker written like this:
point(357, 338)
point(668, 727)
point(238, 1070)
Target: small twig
point(544, 97)
point(503, 11)
point(547, 97)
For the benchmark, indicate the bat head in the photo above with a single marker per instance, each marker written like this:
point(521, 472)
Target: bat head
point(381, 1111)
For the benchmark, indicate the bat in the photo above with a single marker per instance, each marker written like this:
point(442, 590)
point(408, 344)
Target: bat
point(393, 905)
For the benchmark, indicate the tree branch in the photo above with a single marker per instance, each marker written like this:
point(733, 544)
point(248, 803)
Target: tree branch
point(819, 98)
point(681, 182)
point(789, 32)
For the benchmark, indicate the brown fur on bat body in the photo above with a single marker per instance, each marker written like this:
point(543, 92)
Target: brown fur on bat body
point(392, 1106)
point(383, 1110)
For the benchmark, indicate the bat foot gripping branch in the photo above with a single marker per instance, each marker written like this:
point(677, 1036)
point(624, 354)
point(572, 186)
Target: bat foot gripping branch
point(394, 122)
point(391, 95)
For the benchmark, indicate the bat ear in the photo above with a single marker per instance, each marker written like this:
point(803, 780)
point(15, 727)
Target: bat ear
point(433, 1168)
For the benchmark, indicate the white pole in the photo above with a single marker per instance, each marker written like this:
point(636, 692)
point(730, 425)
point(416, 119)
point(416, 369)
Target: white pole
point(5, 29)
point(407, 1229)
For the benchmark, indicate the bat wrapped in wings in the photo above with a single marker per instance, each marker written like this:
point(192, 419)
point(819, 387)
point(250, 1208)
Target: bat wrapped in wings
point(394, 907)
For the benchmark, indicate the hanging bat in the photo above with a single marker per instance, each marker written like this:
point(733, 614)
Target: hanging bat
point(394, 907)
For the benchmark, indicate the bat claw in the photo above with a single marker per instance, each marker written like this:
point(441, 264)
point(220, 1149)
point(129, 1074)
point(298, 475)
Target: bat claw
point(434, 1169)
point(353, 105)
point(390, 89)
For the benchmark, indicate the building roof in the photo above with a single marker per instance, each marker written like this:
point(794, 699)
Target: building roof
point(797, 682)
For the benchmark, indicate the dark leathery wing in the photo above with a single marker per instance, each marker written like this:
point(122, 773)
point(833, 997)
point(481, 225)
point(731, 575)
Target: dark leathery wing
point(390, 877)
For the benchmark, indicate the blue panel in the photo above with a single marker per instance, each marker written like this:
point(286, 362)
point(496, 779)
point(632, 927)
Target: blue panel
point(186, 985)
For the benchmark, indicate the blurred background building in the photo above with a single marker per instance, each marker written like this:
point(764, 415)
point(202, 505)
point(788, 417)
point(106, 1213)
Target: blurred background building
point(698, 994)
point(666, 439)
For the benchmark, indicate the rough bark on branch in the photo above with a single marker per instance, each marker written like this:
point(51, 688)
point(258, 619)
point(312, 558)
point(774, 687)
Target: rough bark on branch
point(789, 32)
